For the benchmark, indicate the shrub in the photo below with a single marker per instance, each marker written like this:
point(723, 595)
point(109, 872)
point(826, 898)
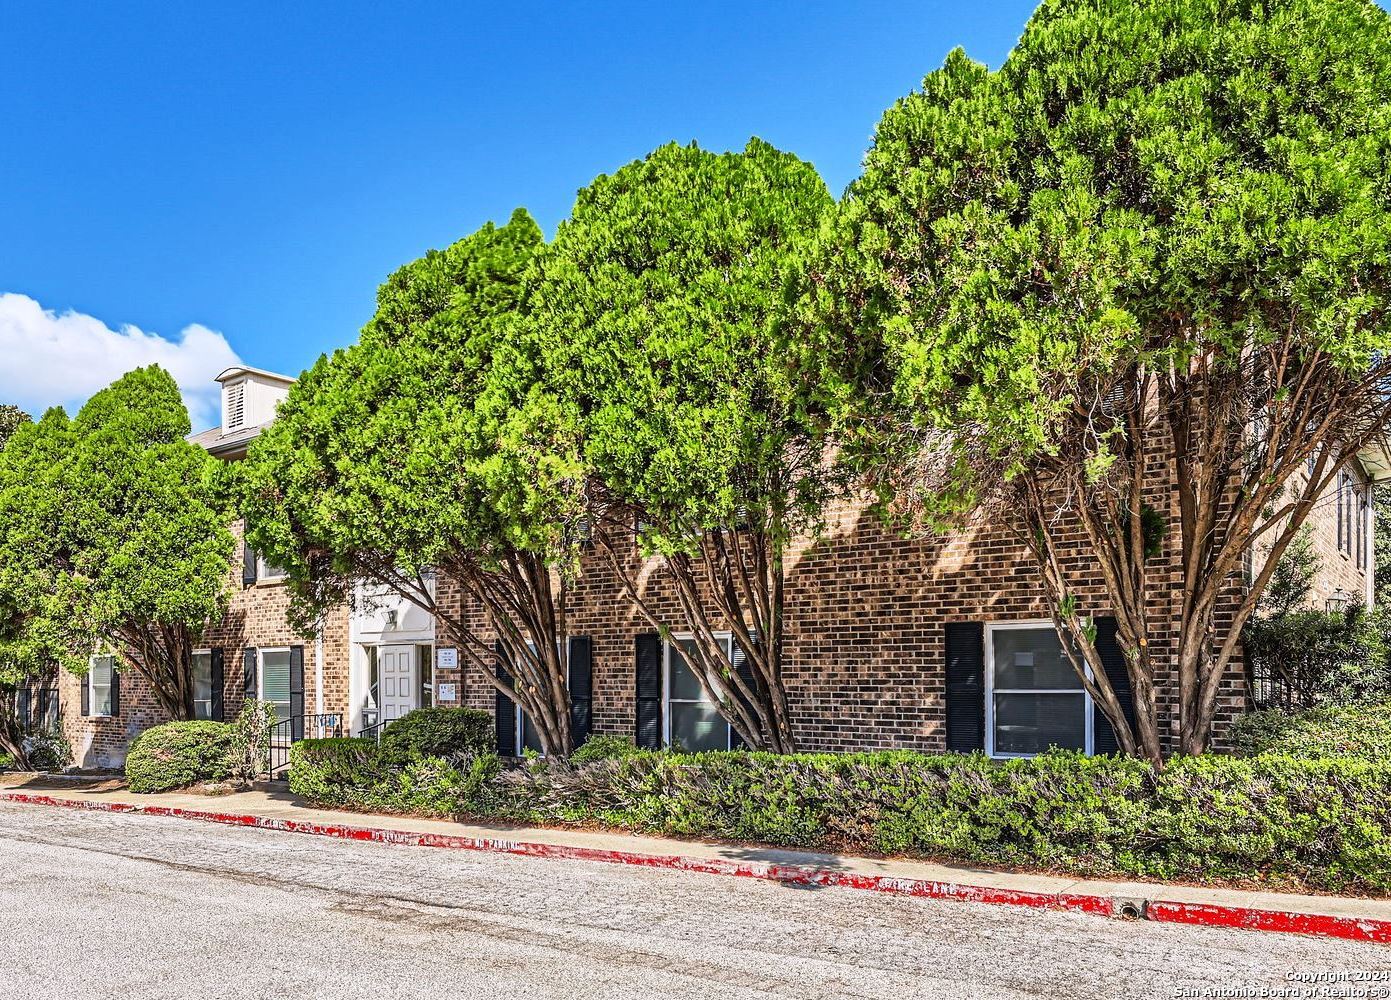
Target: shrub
point(251, 740)
point(6, 762)
point(1322, 823)
point(48, 750)
point(605, 747)
point(439, 732)
point(1338, 731)
point(359, 774)
point(1309, 658)
point(179, 754)
point(322, 770)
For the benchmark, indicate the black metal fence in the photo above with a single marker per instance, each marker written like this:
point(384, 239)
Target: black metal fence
point(285, 733)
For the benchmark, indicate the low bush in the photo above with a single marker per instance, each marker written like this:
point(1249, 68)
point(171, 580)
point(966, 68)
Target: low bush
point(1320, 823)
point(48, 750)
point(439, 732)
point(251, 739)
point(1341, 731)
point(358, 774)
point(179, 754)
point(6, 762)
point(1309, 658)
point(605, 747)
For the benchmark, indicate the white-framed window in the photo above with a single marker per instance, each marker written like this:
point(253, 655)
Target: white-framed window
point(425, 662)
point(371, 712)
point(99, 683)
point(275, 680)
point(1034, 700)
point(266, 570)
point(202, 683)
point(690, 718)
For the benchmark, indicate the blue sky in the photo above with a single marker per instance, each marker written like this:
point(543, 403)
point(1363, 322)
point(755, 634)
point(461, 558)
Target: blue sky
point(171, 172)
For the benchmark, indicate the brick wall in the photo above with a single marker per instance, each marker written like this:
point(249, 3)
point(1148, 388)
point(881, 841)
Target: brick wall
point(1342, 566)
point(255, 618)
point(866, 611)
point(865, 649)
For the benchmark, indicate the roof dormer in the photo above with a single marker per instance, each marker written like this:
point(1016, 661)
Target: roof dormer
point(250, 396)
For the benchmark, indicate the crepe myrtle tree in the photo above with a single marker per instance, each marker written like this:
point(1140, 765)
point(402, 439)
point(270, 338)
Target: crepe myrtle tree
point(1135, 279)
point(407, 454)
point(657, 306)
point(112, 537)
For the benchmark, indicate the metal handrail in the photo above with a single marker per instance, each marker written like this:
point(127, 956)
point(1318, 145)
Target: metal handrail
point(373, 732)
point(282, 734)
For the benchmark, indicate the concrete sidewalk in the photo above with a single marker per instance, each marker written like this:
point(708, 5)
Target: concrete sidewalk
point(1336, 916)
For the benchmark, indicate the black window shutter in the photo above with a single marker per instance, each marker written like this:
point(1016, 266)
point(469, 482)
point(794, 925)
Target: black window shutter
point(1109, 648)
point(22, 710)
point(581, 685)
point(219, 707)
point(87, 692)
point(504, 708)
point(248, 564)
point(248, 668)
point(115, 689)
point(649, 691)
point(296, 692)
point(744, 669)
point(965, 686)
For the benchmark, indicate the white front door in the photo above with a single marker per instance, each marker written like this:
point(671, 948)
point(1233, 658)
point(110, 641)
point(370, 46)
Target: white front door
point(400, 692)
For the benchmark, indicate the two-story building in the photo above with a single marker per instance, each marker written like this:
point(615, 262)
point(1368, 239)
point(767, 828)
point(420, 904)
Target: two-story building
point(926, 643)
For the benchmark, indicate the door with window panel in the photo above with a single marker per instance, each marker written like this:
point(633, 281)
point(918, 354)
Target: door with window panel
point(1037, 701)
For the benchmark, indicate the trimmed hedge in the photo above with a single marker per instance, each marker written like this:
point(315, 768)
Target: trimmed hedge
point(1361, 731)
point(356, 773)
point(1322, 823)
point(439, 732)
point(605, 747)
point(179, 754)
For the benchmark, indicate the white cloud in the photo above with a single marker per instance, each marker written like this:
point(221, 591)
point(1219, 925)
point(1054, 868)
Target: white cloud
point(49, 358)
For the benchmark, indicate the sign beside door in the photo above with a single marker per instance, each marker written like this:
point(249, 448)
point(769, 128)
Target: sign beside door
point(447, 656)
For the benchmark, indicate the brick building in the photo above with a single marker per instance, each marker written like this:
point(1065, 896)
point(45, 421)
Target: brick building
point(891, 642)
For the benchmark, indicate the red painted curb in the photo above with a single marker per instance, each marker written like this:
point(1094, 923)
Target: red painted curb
point(1246, 918)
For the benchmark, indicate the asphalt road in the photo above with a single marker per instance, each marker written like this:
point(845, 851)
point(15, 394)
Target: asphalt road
point(99, 905)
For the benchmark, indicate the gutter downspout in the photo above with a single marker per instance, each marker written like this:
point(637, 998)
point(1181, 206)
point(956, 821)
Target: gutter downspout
point(319, 673)
point(1369, 563)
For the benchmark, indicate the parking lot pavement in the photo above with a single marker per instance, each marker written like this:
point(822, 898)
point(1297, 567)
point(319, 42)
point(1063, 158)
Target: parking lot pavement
point(103, 905)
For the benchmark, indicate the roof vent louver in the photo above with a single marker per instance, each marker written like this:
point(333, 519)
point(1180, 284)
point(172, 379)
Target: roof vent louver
point(236, 406)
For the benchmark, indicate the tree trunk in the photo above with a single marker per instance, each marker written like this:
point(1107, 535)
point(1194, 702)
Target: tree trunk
point(742, 571)
point(12, 728)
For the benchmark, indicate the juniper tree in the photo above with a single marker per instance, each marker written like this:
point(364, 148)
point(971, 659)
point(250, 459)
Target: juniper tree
point(657, 309)
point(1148, 253)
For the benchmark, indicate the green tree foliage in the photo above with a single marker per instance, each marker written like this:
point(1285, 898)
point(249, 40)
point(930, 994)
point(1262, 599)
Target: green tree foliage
point(112, 538)
point(1146, 258)
point(1381, 544)
point(16, 670)
point(408, 453)
point(656, 310)
point(11, 417)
